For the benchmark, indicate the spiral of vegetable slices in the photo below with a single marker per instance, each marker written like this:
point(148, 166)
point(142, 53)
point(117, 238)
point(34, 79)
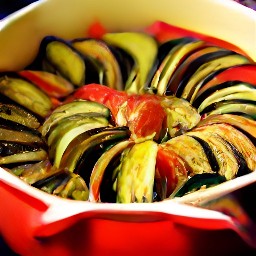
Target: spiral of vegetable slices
point(128, 119)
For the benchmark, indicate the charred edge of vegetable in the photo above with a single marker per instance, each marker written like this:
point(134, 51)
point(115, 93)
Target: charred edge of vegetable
point(60, 177)
point(6, 100)
point(209, 153)
point(8, 124)
point(198, 181)
point(9, 148)
point(243, 168)
point(215, 88)
point(195, 64)
point(14, 113)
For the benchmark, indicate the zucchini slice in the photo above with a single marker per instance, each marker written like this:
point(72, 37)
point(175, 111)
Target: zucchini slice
point(135, 179)
point(88, 140)
point(99, 51)
point(188, 66)
point(71, 108)
point(170, 63)
point(63, 59)
point(236, 138)
point(100, 166)
point(26, 95)
point(143, 50)
point(19, 115)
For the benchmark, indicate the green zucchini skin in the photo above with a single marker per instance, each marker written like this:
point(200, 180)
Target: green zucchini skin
point(70, 109)
point(144, 53)
point(198, 181)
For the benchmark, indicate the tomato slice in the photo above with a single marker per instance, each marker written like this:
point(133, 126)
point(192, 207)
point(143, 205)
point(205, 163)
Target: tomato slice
point(109, 97)
point(171, 167)
point(51, 84)
point(145, 116)
point(163, 32)
point(244, 73)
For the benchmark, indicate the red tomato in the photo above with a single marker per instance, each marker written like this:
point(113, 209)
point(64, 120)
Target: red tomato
point(163, 32)
point(96, 30)
point(110, 98)
point(244, 73)
point(143, 114)
point(171, 167)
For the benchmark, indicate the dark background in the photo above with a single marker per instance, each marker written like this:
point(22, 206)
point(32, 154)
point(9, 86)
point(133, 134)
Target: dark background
point(9, 6)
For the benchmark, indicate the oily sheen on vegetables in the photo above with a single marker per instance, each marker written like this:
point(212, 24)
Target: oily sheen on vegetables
point(129, 118)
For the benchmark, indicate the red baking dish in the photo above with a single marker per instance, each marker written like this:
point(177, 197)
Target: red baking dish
point(35, 223)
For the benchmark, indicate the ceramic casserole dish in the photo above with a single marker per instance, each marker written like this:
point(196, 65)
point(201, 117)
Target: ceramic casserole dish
point(35, 223)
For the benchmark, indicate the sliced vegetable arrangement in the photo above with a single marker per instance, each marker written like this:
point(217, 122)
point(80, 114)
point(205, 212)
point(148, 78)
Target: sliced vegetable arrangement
point(130, 117)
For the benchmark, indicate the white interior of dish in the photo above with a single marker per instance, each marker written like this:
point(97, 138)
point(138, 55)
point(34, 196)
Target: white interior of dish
point(21, 33)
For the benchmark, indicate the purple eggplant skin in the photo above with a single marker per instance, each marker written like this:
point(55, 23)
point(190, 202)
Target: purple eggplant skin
point(194, 65)
point(8, 124)
point(8, 101)
point(215, 88)
point(8, 148)
point(107, 193)
point(19, 133)
point(90, 71)
point(101, 53)
point(167, 46)
point(125, 61)
point(18, 115)
point(209, 154)
point(91, 155)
